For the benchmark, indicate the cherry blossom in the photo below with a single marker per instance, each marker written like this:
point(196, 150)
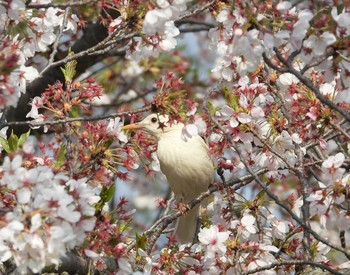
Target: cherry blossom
point(114, 127)
point(158, 24)
point(332, 167)
point(319, 44)
point(13, 9)
point(213, 240)
point(342, 19)
point(300, 28)
point(245, 48)
point(264, 83)
point(246, 226)
point(14, 73)
point(45, 213)
point(279, 227)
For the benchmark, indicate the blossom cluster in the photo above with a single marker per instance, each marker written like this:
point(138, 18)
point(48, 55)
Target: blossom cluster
point(41, 26)
point(108, 239)
point(159, 30)
point(273, 115)
point(51, 215)
point(41, 31)
point(327, 202)
point(13, 72)
point(240, 48)
point(59, 101)
point(250, 118)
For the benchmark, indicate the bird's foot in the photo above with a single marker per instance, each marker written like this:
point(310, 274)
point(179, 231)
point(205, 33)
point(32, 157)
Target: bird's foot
point(182, 207)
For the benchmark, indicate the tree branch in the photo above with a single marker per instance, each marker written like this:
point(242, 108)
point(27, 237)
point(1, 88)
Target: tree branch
point(68, 120)
point(157, 229)
point(307, 82)
point(273, 196)
point(60, 5)
point(299, 263)
point(93, 34)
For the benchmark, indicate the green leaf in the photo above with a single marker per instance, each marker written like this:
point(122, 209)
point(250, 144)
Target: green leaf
point(69, 69)
point(107, 193)
point(231, 99)
point(4, 143)
point(313, 249)
point(141, 241)
point(13, 142)
point(19, 27)
point(260, 195)
point(74, 112)
point(23, 138)
point(61, 156)
point(210, 106)
point(108, 143)
point(124, 226)
point(212, 109)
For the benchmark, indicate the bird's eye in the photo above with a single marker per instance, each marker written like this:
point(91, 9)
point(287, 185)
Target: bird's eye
point(154, 120)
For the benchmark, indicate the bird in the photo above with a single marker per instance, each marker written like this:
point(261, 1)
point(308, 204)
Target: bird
point(186, 164)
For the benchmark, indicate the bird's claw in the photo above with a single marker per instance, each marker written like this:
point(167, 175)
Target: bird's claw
point(182, 207)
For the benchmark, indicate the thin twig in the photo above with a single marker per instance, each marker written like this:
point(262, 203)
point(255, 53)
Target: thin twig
point(284, 263)
point(165, 220)
point(195, 22)
point(339, 129)
point(316, 62)
point(307, 82)
point(61, 5)
point(273, 66)
point(290, 167)
point(272, 195)
point(68, 120)
point(194, 29)
point(93, 50)
point(196, 11)
point(55, 45)
point(328, 136)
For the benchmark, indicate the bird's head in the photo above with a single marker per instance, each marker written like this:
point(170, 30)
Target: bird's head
point(154, 124)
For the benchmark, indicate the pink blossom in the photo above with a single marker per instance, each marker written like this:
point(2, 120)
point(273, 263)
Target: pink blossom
point(189, 131)
point(332, 166)
point(58, 222)
point(313, 113)
point(300, 28)
point(284, 6)
point(246, 226)
point(342, 20)
point(213, 240)
point(318, 44)
point(115, 128)
point(279, 227)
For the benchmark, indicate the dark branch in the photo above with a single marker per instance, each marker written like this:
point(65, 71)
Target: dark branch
point(298, 263)
point(93, 34)
point(60, 5)
point(273, 196)
point(158, 228)
point(68, 120)
point(307, 82)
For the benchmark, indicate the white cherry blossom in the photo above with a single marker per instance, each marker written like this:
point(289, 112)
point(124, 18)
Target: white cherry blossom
point(58, 222)
point(213, 240)
point(115, 128)
point(332, 167)
point(246, 226)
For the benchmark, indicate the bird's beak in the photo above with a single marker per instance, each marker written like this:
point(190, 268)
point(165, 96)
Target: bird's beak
point(133, 126)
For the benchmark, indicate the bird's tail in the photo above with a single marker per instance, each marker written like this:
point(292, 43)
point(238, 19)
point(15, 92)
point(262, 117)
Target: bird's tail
point(187, 225)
